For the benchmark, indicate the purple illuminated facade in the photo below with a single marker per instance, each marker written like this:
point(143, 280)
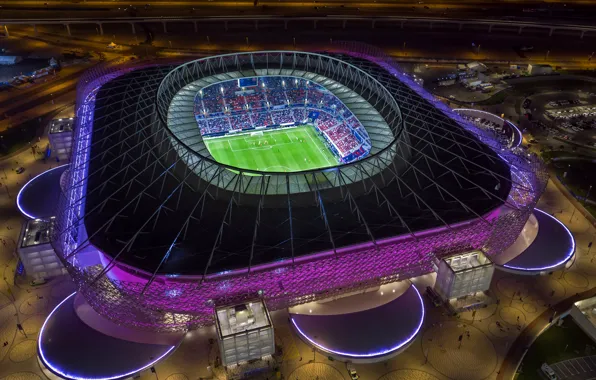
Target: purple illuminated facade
point(139, 299)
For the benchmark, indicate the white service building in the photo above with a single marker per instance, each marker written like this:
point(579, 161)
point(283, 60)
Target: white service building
point(245, 332)
point(60, 134)
point(463, 274)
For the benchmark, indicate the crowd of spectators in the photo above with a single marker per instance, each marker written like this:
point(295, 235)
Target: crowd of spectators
point(347, 145)
point(339, 132)
point(255, 100)
point(261, 119)
point(276, 97)
point(296, 96)
point(240, 121)
point(217, 125)
point(276, 100)
point(283, 116)
point(300, 114)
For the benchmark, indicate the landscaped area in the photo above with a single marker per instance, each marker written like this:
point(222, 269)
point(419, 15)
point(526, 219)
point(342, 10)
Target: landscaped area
point(556, 344)
point(578, 176)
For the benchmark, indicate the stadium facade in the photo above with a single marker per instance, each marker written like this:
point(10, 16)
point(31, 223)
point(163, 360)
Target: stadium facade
point(157, 234)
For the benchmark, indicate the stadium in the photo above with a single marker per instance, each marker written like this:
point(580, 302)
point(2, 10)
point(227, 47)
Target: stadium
point(281, 176)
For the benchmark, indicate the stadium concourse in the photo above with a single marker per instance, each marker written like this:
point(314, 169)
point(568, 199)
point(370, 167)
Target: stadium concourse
point(229, 187)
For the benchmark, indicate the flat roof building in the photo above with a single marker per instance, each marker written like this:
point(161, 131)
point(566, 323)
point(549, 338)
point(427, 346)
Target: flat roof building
point(245, 332)
point(60, 134)
point(35, 251)
point(463, 274)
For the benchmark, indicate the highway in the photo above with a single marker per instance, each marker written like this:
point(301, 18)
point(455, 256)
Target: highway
point(569, 12)
point(287, 19)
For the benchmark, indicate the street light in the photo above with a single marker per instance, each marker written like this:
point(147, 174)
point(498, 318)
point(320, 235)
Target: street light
point(587, 195)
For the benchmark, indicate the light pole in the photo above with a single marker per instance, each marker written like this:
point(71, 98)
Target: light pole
point(573, 213)
point(587, 195)
point(546, 56)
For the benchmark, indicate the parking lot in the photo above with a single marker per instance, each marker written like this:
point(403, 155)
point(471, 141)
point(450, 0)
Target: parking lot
point(582, 111)
point(578, 368)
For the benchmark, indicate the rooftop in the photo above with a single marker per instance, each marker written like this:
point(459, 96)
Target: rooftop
point(242, 317)
point(61, 125)
point(434, 173)
point(38, 231)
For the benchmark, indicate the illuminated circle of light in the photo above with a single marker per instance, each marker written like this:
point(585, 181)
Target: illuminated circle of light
point(497, 116)
point(372, 354)
point(25, 186)
point(568, 256)
point(75, 377)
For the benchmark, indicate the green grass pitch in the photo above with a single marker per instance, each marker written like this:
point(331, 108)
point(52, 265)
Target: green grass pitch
point(284, 150)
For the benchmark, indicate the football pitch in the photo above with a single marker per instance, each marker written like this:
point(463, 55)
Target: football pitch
point(284, 150)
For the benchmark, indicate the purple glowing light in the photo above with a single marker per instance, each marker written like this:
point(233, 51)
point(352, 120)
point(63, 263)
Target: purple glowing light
point(372, 354)
point(568, 256)
point(71, 376)
point(21, 209)
point(304, 277)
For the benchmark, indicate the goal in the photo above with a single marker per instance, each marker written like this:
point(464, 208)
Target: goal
point(258, 133)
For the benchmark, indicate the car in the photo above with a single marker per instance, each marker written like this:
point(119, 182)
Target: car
point(38, 282)
point(548, 372)
point(20, 170)
point(353, 374)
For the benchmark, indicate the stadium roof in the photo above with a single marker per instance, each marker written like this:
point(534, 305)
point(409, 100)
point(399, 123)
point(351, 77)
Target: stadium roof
point(154, 204)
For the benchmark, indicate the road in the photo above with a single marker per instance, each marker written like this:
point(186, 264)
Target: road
point(571, 11)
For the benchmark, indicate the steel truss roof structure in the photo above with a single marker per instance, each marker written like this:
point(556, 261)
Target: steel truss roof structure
point(200, 233)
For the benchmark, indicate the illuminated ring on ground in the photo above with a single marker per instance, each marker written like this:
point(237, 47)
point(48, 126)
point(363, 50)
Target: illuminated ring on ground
point(62, 373)
point(26, 185)
point(372, 354)
point(567, 257)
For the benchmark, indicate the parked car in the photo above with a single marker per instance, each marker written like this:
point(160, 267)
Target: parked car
point(38, 282)
point(548, 372)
